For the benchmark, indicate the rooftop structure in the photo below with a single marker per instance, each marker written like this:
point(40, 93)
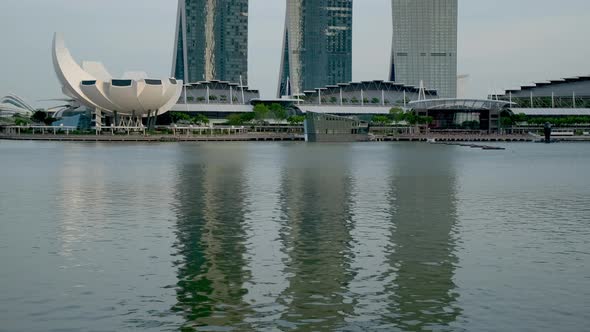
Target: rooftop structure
point(366, 93)
point(211, 41)
point(92, 86)
point(572, 92)
point(424, 44)
point(317, 46)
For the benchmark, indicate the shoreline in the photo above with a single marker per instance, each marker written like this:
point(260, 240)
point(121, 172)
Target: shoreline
point(276, 138)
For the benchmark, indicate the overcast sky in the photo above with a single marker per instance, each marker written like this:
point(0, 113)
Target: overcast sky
point(502, 43)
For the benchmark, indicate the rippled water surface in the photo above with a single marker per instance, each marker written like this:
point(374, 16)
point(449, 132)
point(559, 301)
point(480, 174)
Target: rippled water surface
point(285, 237)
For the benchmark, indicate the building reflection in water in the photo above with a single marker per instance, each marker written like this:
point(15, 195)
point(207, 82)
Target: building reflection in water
point(316, 237)
point(210, 237)
point(423, 296)
point(316, 203)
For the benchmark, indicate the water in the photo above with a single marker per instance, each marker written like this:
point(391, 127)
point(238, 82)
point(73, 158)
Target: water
point(285, 237)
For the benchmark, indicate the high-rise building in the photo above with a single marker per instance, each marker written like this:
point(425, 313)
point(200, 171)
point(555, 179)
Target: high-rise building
point(317, 49)
point(425, 44)
point(211, 41)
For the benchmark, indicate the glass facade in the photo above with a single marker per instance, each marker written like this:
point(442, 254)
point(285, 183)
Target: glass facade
point(425, 44)
point(317, 49)
point(211, 41)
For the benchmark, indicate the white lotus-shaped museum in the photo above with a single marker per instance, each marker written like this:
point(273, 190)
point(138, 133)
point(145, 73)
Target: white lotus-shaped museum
point(91, 84)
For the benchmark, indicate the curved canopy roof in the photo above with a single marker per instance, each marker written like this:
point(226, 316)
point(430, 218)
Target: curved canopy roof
point(12, 104)
point(459, 104)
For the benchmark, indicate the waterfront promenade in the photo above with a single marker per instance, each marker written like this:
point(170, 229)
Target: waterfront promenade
point(260, 137)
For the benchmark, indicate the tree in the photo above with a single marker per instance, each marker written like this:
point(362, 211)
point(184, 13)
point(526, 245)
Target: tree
point(375, 100)
point(397, 114)
point(333, 100)
point(295, 119)
point(261, 112)
point(200, 118)
point(201, 99)
point(278, 111)
point(380, 119)
point(235, 120)
point(20, 122)
point(39, 116)
point(213, 97)
point(345, 100)
point(354, 100)
point(178, 116)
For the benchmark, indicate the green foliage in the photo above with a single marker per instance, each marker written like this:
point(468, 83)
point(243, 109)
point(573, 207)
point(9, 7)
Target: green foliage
point(201, 99)
point(506, 122)
point(375, 100)
point(235, 120)
point(380, 119)
point(190, 98)
point(354, 100)
point(20, 122)
point(365, 100)
point(261, 112)
point(345, 100)
point(213, 97)
point(557, 121)
point(200, 118)
point(333, 100)
point(39, 116)
point(278, 111)
point(178, 116)
point(296, 119)
point(240, 119)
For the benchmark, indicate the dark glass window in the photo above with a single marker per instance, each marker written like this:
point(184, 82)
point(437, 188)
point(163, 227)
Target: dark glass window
point(88, 83)
point(153, 82)
point(121, 82)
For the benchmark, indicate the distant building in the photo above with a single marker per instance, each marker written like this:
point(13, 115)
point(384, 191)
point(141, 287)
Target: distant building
point(216, 99)
point(462, 114)
point(366, 94)
point(425, 44)
point(573, 92)
point(11, 105)
point(330, 128)
point(211, 41)
point(317, 46)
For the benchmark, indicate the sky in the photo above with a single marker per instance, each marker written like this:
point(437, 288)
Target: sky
point(502, 43)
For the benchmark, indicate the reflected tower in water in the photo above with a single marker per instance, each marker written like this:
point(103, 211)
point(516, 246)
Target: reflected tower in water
point(210, 239)
point(422, 296)
point(316, 203)
point(317, 46)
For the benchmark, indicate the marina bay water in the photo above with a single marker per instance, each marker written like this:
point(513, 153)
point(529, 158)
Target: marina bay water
point(294, 236)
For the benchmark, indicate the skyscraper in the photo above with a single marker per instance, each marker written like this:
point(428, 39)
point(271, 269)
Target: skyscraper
point(425, 44)
point(211, 41)
point(317, 49)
